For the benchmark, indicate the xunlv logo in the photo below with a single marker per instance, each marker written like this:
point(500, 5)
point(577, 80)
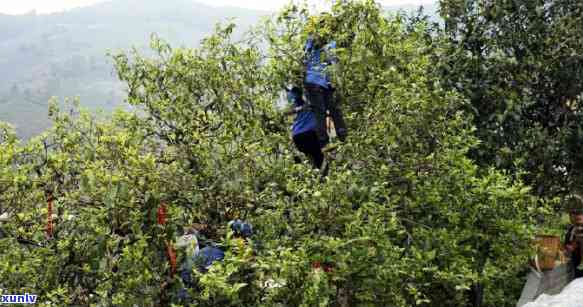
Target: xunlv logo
point(18, 299)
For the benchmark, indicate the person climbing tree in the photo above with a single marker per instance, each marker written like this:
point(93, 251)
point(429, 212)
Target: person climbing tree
point(304, 128)
point(574, 235)
point(201, 259)
point(319, 58)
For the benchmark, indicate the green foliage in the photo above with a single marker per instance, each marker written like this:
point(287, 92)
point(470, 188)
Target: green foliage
point(404, 218)
point(519, 63)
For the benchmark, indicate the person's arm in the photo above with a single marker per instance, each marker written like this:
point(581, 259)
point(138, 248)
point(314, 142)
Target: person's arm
point(294, 110)
point(570, 245)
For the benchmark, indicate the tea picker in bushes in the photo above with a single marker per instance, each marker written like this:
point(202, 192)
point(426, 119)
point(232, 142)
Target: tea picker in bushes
point(557, 287)
point(574, 235)
point(319, 60)
point(304, 132)
point(202, 259)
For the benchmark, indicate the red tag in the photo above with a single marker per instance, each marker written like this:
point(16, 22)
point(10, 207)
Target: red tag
point(171, 257)
point(49, 228)
point(161, 214)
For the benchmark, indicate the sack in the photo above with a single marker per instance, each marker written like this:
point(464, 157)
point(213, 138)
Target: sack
point(571, 296)
point(547, 283)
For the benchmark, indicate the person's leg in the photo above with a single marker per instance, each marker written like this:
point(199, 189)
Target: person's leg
point(300, 140)
point(314, 149)
point(333, 105)
point(316, 98)
point(309, 144)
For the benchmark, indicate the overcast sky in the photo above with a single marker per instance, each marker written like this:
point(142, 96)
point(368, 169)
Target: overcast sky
point(48, 6)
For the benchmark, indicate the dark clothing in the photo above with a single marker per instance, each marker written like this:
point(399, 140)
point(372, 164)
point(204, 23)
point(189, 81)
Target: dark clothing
point(576, 254)
point(322, 99)
point(308, 143)
point(241, 228)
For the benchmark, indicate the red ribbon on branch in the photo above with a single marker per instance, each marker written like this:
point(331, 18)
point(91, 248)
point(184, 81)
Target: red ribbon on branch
point(326, 267)
point(171, 252)
point(49, 228)
point(161, 214)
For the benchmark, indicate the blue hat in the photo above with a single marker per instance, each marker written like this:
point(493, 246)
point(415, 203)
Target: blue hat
point(241, 228)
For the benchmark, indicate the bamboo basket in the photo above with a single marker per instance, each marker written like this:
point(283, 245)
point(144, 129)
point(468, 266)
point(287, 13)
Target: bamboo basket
point(548, 251)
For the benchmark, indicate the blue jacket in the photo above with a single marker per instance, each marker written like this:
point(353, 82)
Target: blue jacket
point(305, 120)
point(316, 68)
point(202, 260)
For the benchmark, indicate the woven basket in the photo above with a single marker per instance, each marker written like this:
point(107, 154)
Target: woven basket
point(548, 248)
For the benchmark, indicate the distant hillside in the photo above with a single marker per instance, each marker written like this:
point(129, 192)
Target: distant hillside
point(64, 54)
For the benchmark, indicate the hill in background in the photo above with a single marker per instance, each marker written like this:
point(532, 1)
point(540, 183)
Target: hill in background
point(64, 54)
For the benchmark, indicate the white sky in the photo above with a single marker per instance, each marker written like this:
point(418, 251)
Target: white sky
point(48, 6)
